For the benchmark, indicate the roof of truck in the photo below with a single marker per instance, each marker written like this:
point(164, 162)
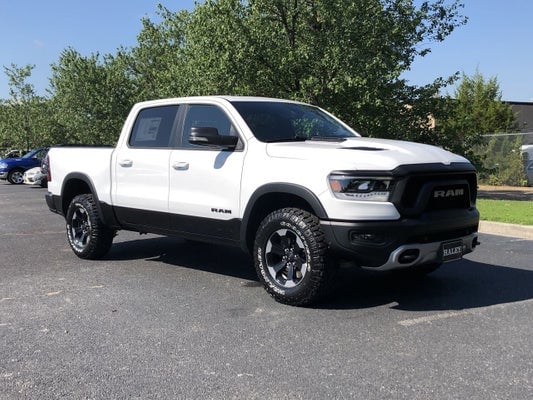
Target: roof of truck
point(214, 97)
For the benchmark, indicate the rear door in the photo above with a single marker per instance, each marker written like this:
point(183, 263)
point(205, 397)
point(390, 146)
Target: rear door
point(141, 180)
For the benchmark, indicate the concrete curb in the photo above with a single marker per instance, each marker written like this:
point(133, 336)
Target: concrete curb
point(511, 230)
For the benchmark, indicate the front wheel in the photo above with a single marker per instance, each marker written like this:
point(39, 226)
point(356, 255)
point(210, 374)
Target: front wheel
point(87, 235)
point(16, 177)
point(290, 257)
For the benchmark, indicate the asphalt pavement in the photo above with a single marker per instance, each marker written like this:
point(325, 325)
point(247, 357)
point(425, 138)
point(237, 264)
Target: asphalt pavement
point(161, 318)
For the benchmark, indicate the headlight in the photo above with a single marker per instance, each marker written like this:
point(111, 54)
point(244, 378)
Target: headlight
point(362, 188)
point(3, 165)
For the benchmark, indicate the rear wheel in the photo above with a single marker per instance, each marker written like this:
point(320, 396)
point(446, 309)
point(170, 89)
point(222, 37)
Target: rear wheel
point(16, 176)
point(290, 257)
point(87, 235)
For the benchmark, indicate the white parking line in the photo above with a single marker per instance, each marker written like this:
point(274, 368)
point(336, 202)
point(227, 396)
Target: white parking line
point(451, 314)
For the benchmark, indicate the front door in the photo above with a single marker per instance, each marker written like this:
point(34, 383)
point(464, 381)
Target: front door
point(205, 182)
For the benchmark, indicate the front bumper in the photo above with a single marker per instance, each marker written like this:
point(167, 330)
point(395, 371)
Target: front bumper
point(385, 245)
point(3, 175)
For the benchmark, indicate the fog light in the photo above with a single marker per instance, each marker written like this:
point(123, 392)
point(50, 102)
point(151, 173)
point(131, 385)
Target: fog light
point(366, 238)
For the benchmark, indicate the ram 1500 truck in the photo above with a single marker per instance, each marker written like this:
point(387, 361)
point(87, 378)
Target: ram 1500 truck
point(286, 181)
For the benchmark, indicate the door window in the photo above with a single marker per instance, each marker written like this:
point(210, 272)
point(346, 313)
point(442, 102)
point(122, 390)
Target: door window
point(206, 116)
point(153, 127)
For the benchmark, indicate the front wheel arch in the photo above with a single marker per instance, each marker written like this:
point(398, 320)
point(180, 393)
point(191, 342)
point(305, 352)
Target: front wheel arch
point(271, 197)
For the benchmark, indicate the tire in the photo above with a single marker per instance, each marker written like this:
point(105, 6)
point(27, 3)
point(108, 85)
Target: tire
point(87, 236)
point(290, 257)
point(16, 176)
point(418, 271)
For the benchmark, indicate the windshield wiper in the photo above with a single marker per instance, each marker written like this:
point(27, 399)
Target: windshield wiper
point(328, 138)
point(289, 139)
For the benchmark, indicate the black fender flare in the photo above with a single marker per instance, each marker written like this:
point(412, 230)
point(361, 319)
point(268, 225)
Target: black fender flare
point(105, 211)
point(279, 188)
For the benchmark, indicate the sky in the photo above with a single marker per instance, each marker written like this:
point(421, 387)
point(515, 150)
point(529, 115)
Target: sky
point(496, 41)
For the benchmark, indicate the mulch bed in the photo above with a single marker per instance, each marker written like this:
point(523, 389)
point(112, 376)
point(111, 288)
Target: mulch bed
point(505, 193)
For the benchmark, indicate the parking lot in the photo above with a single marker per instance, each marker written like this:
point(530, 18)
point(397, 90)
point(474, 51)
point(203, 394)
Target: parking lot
point(169, 319)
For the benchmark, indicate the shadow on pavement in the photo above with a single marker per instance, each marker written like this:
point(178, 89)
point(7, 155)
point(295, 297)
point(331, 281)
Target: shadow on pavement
point(455, 286)
point(224, 260)
point(460, 285)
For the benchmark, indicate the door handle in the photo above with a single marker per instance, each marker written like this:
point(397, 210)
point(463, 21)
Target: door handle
point(125, 163)
point(181, 166)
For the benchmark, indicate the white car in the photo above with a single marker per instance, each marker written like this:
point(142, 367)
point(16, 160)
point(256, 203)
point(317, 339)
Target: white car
point(34, 176)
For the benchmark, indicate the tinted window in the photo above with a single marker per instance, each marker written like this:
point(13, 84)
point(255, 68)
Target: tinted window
point(153, 127)
point(206, 116)
point(37, 153)
point(278, 121)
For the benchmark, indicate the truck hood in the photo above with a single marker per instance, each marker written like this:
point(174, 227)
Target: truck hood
point(363, 153)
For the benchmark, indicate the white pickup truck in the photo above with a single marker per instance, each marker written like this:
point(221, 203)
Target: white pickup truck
point(286, 181)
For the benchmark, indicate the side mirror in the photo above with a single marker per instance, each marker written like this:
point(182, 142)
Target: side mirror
point(207, 136)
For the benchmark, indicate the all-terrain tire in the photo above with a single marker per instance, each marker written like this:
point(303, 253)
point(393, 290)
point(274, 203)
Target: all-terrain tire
point(87, 235)
point(290, 257)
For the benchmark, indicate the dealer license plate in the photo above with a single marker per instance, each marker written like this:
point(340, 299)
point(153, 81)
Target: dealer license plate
point(452, 250)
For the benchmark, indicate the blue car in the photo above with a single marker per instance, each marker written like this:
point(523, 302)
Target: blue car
point(13, 169)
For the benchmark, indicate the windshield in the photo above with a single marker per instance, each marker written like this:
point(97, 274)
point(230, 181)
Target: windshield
point(37, 153)
point(279, 122)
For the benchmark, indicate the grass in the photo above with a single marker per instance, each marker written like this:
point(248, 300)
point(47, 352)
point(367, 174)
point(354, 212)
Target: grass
point(508, 211)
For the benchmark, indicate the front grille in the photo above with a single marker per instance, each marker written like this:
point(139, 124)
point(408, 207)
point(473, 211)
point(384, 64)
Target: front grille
point(434, 191)
point(449, 196)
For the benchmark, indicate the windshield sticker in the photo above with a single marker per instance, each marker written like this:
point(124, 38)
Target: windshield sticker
point(148, 128)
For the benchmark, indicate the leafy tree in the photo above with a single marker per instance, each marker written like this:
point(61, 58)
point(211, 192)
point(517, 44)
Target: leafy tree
point(345, 56)
point(476, 109)
point(156, 65)
point(20, 123)
point(91, 97)
point(503, 164)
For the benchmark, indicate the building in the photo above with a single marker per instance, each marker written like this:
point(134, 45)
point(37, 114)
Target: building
point(524, 113)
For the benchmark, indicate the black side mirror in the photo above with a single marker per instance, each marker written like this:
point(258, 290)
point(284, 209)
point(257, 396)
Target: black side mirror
point(207, 136)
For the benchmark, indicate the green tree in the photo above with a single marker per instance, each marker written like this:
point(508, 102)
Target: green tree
point(91, 97)
point(19, 126)
point(475, 110)
point(503, 163)
point(156, 65)
point(345, 56)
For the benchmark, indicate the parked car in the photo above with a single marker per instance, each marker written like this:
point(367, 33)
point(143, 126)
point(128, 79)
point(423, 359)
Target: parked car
point(35, 176)
point(14, 153)
point(529, 174)
point(13, 169)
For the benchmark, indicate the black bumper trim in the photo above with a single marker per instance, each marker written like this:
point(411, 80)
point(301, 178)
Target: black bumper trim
point(370, 243)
